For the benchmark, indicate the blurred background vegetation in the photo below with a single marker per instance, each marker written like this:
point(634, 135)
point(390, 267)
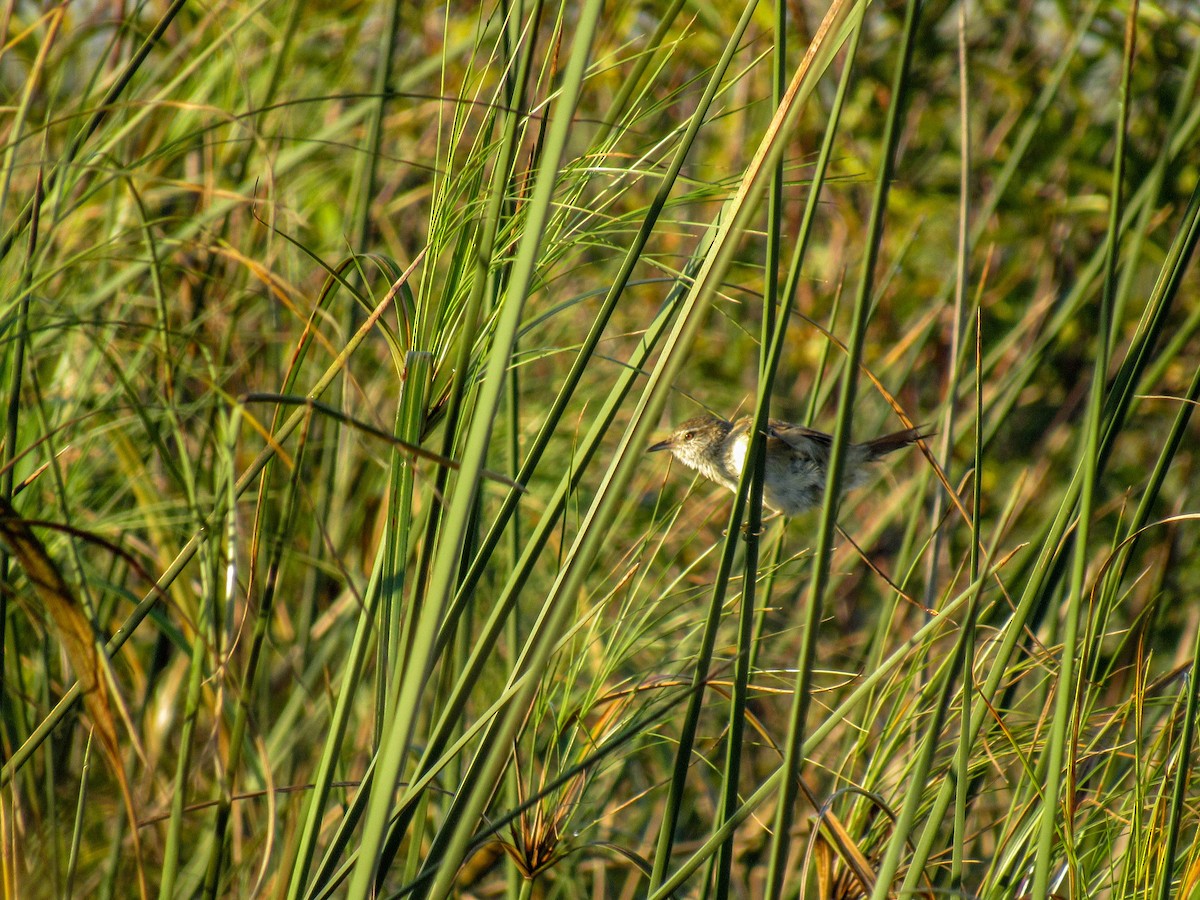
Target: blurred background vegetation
point(292, 295)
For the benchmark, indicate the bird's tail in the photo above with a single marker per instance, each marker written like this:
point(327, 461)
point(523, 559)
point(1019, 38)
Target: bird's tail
point(882, 446)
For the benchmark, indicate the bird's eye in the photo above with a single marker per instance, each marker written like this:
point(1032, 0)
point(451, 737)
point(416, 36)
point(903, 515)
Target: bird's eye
point(688, 435)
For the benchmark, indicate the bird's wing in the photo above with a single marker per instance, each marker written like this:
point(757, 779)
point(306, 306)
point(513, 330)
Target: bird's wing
point(807, 441)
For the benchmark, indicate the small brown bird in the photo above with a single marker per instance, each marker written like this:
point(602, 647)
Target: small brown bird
point(797, 457)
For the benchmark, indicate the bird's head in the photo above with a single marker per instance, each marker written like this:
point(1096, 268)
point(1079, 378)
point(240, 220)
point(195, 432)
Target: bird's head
point(697, 443)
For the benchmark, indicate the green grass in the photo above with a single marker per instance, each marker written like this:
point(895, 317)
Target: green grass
point(333, 338)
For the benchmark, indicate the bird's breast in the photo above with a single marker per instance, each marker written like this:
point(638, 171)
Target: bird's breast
point(737, 453)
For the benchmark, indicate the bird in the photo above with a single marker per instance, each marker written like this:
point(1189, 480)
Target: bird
point(797, 457)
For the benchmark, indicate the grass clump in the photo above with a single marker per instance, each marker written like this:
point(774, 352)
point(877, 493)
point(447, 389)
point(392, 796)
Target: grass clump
point(333, 339)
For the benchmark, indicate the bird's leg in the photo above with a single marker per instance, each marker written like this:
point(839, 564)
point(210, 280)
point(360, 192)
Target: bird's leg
point(747, 534)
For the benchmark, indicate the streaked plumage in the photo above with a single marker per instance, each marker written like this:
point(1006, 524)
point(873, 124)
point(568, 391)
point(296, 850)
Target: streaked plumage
point(797, 457)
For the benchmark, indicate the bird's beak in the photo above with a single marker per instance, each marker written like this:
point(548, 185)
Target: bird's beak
point(661, 445)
